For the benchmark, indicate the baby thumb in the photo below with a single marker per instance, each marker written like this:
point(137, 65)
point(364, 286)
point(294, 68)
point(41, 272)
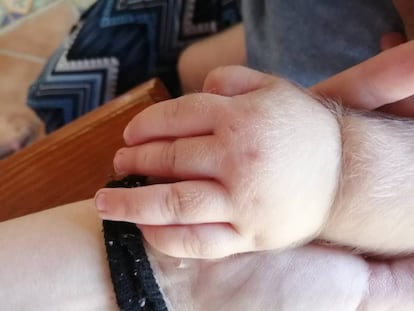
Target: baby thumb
point(235, 80)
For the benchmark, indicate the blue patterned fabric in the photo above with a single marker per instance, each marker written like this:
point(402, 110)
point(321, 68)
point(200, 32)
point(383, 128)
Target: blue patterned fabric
point(119, 44)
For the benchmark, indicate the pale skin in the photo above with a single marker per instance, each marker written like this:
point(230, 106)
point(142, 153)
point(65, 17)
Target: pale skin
point(322, 278)
point(225, 48)
point(267, 167)
point(66, 243)
point(62, 265)
point(219, 146)
point(224, 204)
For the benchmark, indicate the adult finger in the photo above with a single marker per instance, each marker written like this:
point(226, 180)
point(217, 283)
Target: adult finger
point(392, 39)
point(403, 108)
point(406, 10)
point(383, 79)
point(196, 241)
point(236, 80)
point(189, 158)
point(189, 115)
point(186, 202)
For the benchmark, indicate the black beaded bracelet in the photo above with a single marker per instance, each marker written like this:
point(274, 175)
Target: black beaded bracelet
point(132, 277)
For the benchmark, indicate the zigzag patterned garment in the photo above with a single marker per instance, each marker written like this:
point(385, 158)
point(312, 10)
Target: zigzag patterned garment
point(119, 44)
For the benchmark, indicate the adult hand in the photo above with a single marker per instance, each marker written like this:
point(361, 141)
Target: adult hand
point(311, 278)
point(383, 82)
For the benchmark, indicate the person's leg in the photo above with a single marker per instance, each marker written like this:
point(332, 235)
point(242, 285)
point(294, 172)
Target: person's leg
point(55, 260)
point(198, 59)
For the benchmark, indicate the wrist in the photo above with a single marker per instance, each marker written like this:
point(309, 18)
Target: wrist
point(373, 208)
point(307, 177)
point(355, 184)
point(326, 167)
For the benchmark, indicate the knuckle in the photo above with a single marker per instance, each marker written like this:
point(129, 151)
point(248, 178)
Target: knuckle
point(132, 211)
point(169, 157)
point(252, 155)
point(183, 206)
point(211, 82)
point(174, 204)
point(194, 246)
point(142, 158)
point(172, 111)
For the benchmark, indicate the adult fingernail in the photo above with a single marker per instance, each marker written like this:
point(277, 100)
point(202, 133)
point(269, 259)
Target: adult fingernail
point(100, 202)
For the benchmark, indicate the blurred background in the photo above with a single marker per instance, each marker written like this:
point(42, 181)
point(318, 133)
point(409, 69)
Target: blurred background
point(60, 59)
point(12, 10)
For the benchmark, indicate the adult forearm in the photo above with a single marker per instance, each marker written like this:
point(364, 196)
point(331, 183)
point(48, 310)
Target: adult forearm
point(55, 260)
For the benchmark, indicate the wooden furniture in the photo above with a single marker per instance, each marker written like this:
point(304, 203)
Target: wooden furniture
point(72, 163)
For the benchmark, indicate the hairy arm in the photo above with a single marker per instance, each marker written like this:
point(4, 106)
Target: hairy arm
point(374, 207)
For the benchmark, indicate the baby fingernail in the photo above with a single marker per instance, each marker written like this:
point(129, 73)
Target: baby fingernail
point(118, 163)
point(126, 133)
point(100, 202)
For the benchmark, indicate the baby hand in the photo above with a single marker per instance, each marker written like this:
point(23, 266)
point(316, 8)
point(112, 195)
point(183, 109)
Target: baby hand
point(257, 166)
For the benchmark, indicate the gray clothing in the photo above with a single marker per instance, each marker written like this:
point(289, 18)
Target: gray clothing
point(309, 40)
